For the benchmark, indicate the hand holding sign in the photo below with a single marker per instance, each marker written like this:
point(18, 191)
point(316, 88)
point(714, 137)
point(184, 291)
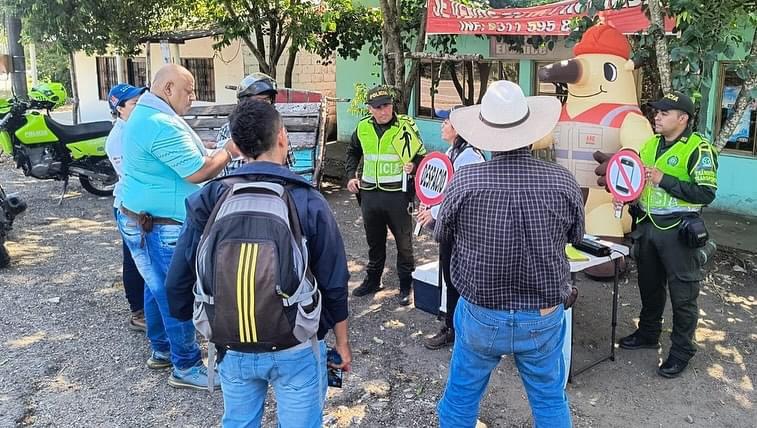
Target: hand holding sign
point(433, 176)
point(625, 178)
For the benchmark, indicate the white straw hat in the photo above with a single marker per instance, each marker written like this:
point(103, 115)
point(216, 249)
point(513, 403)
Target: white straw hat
point(506, 119)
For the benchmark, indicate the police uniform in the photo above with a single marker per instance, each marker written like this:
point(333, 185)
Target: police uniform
point(384, 150)
point(664, 259)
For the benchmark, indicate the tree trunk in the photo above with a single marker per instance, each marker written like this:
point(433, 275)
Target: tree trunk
point(741, 103)
point(657, 17)
point(420, 45)
point(290, 66)
point(74, 89)
point(484, 70)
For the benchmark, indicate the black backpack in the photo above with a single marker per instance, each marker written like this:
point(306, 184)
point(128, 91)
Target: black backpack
point(254, 290)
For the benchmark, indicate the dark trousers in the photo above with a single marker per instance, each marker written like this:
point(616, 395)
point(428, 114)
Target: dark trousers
point(663, 260)
point(134, 285)
point(381, 210)
point(445, 258)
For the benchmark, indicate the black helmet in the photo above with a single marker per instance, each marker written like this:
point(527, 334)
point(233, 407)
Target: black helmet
point(257, 84)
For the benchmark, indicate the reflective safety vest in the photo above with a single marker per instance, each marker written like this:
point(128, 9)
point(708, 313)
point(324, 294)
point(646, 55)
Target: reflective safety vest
point(383, 158)
point(674, 162)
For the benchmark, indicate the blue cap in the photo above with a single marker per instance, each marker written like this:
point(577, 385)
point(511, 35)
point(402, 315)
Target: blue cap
point(122, 93)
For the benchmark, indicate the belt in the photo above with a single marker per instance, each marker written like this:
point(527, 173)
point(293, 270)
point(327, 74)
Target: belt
point(261, 347)
point(146, 221)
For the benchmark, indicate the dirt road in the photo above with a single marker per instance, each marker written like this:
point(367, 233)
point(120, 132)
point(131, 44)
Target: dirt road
point(69, 360)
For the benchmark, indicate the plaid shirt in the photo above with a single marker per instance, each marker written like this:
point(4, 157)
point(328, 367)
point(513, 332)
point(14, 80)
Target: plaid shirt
point(508, 221)
point(223, 137)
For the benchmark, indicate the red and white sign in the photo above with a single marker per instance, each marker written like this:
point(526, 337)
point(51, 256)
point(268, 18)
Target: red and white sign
point(625, 176)
point(552, 19)
point(433, 176)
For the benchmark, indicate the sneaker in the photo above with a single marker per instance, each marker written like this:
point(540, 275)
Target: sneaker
point(159, 360)
point(137, 321)
point(366, 288)
point(445, 337)
point(404, 297)
point(195, 377)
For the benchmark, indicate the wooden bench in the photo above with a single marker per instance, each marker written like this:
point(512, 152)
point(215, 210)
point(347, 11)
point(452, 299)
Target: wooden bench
point(304, 114)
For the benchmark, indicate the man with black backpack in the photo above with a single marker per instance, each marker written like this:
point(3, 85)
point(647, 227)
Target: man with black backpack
point(261, 269)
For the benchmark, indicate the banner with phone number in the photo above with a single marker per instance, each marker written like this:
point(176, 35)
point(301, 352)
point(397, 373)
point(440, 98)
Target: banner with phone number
point(551, 19)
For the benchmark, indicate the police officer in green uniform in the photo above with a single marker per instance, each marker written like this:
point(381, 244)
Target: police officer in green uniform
point(390, 147)
point(681, 170)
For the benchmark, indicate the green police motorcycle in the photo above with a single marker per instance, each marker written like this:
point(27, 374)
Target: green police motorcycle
point(48, 150)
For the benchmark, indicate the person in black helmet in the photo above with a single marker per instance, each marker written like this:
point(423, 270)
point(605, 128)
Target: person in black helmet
point(256, 86)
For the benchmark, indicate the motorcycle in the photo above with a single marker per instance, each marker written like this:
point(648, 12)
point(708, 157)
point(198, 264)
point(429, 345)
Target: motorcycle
point(48, 150)
point(10, 207)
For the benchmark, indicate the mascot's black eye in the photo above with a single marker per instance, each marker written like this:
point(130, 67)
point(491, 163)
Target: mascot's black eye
point(611, 72)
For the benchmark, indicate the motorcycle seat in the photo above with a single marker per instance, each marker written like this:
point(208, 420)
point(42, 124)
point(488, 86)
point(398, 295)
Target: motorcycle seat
point(80, 132)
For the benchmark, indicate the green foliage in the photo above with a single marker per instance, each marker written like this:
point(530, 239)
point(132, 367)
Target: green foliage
point(357, 103)
point(52, 64)
point(95, 25)
point(344, 30)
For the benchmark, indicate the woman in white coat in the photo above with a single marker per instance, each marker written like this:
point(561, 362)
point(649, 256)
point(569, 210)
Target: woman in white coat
point(460, 153)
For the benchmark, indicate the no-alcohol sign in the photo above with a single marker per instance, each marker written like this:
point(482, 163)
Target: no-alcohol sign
point(625, 176)
point(433, 176)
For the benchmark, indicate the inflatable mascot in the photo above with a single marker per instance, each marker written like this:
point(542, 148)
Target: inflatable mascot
point(601, 116)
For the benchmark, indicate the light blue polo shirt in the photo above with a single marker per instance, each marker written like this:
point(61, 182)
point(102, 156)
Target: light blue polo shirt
point(160, 150)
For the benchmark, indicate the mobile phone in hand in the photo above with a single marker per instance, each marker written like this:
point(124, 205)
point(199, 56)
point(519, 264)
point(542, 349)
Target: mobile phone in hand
point(334, 374)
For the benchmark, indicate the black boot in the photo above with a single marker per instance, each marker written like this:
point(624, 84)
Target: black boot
point(370, 285)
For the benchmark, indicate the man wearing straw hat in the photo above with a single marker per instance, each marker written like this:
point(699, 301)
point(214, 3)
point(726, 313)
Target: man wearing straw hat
point(509, 220)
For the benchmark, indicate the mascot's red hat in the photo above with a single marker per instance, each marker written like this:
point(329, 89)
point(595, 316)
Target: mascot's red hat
point(603, 39)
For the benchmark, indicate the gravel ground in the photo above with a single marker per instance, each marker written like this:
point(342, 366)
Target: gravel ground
point(70, 361)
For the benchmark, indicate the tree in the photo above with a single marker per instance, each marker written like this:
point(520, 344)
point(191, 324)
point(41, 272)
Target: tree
point(95, 25)
point(270, 28)
point(403, 36)
point(706, 32)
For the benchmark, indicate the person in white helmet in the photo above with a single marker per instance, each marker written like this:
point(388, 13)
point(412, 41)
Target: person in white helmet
point(258, 86)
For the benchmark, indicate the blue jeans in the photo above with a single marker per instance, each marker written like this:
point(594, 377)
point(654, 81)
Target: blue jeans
point(165, 332)
point(482, 337)
point(293, 373)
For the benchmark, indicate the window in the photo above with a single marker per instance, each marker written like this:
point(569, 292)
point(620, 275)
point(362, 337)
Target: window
point(202, 70)
point(443, 84)
point(742, 139)
point(136, 72)
point(107, 76)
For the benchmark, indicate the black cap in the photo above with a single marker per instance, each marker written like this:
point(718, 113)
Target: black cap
point(675, 101)
point(378, 96)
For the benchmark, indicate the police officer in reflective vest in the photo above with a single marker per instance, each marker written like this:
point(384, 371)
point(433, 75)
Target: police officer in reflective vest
point(391, 148)
point(681, 170)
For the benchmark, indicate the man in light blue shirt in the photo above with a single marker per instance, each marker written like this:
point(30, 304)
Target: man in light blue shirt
point(164, 161)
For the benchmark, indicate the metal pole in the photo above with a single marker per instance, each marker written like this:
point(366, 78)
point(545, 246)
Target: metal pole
point(16, 51)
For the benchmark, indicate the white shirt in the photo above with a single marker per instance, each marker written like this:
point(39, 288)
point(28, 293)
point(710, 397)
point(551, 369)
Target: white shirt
point(115, 151)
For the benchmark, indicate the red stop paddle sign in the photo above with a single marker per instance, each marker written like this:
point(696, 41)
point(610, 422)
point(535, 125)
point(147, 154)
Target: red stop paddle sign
point(625, 176)
point(433, 176)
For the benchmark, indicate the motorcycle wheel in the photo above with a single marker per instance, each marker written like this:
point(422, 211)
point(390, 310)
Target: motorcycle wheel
point(96, 187)
point(5, 258)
